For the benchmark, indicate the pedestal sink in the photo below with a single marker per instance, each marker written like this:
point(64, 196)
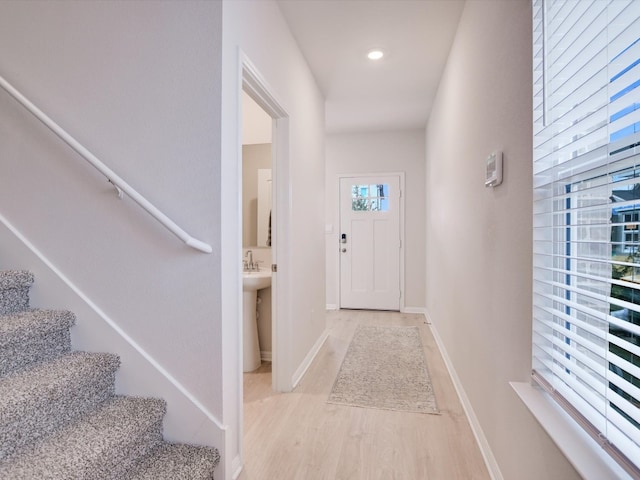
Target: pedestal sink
point(251, 283)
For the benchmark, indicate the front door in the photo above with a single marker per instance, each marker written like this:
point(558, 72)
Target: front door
point(370, 242)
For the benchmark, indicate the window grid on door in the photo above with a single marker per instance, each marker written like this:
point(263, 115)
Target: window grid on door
point(370, 198)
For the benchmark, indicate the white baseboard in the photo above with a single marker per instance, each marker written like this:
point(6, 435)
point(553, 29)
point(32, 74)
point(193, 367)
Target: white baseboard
point(236, 467)
point(483, 443)
point(306, 363)
point(332, 306)
point(418, 310)
point(265, 356)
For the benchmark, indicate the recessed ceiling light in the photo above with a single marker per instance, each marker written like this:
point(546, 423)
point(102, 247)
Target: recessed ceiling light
point(375, 54)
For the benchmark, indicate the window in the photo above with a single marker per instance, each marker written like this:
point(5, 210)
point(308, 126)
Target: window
point(370, 198)
point(586, 298)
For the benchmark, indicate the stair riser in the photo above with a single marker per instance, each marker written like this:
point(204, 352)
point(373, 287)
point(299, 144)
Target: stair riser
point(117, 468)
point(14, 290)
point(13, 300)
point(51, 414)
point(177, 461)
point(17, 356)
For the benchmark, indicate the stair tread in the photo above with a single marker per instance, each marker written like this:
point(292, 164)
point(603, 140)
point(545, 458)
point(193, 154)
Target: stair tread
point(41, 399)
point(171, 461)
point(15, 279)
point(52, 378)
point(94, 447)
point(22, 325)
point(33, 336)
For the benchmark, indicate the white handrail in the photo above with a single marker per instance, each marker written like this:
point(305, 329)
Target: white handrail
point(106, 171)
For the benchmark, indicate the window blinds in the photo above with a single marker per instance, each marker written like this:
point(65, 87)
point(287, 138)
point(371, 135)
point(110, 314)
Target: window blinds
point(586, 218)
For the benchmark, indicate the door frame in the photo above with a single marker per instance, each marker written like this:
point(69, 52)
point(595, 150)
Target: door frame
point(401, 176)
point(243, 75)
point(254, 84)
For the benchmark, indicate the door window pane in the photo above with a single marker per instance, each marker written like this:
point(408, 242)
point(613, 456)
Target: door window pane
point(370, 198)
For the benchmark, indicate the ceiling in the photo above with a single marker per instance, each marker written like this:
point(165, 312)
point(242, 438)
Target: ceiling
point(392, 93)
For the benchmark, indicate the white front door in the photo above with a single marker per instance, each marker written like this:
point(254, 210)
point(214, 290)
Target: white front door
point(370, 242)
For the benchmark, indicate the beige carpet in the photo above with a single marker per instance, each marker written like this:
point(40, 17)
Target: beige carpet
point(385, 368)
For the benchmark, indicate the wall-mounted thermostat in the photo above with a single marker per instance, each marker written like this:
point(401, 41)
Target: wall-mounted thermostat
point(494, 170)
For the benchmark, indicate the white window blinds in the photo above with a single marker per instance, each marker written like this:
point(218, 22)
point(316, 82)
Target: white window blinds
point(586, 218)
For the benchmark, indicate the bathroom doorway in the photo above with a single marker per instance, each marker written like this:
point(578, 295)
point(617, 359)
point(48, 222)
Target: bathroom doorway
point(257, 238)
point(272, 228)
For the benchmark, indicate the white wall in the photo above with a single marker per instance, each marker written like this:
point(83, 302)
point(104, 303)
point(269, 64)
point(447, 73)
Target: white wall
point(258, 30)
point(478, 239)
point(379, 152)
point(139, 83)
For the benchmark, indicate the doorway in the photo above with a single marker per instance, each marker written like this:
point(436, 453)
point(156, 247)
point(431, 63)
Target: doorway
point(257, 209)
point(279, 232)
point(370, 242)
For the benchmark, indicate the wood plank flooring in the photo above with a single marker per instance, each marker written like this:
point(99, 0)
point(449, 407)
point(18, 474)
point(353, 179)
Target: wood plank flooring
point(299, 436)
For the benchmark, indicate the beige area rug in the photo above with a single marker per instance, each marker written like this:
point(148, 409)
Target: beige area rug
point(385, 368)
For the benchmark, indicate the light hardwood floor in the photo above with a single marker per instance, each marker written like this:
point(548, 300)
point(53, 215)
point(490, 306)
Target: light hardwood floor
point(299, 436)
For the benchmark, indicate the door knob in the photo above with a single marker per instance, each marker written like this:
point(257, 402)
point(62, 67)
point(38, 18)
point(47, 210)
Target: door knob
point(344, 250)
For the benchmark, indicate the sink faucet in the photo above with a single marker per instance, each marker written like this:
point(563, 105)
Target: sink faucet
point(248, 264)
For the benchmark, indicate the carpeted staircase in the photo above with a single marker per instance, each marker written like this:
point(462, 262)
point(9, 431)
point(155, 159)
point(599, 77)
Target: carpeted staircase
point(59, 415)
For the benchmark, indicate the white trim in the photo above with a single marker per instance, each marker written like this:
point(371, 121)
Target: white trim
point(402, 214)
point(231, 253)
point(248, 78)
point(256, 86)
point(308, 360)
point(265, 356)
point(589, 459)
point(114, 325)
point(483, 443)
point(331, 306)
point(236, 467)
point(418, 310)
